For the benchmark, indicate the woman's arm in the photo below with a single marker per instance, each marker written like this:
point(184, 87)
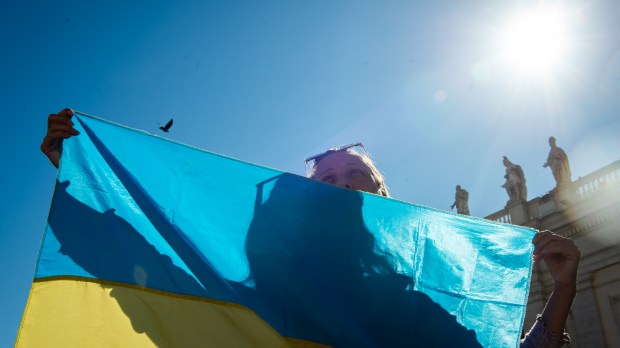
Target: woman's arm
point(561, 256)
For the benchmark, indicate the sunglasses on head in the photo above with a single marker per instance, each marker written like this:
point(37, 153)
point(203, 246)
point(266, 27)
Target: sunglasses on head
point(317, 158)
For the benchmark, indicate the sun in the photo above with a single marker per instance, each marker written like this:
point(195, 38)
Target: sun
point(535, 41)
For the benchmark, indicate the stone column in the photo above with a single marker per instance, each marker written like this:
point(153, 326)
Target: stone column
point(564, 195)
point(518, 212)
point(588, 327)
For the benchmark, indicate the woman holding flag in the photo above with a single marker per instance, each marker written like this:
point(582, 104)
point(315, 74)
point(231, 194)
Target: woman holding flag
point(349, 169)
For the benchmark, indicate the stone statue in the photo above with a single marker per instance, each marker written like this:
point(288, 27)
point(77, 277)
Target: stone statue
point(558, 162)
point(515, 182)
point(460, 201)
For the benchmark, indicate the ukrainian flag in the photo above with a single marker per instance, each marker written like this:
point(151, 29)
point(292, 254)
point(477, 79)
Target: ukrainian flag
point(154, 243)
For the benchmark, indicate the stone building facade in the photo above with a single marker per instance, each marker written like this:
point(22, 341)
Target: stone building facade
point(588, 211)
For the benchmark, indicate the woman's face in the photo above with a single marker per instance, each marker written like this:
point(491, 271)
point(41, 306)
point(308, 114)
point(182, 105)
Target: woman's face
point(345, 169)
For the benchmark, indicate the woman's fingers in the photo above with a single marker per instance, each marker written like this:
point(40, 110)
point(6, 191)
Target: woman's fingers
point(62, 127)
point(66, 112)
point(543, 238)
point(56, 121)
point(60, 123)
point(546, 243)
point(61, 134)
point(565, 247)
point(561, 256)
point(63, 115)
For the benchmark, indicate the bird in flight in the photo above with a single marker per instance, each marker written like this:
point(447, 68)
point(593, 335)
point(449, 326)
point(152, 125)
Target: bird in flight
point(167, 126)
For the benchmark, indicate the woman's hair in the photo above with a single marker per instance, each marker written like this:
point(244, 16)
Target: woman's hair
point(374, 171)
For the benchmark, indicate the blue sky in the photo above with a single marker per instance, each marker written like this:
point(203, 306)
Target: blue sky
point(421, 84)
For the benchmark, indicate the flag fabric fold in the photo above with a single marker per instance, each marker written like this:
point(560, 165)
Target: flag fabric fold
point(154, 243)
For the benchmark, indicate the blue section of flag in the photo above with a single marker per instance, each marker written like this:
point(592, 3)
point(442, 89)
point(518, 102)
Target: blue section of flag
point(317, 262)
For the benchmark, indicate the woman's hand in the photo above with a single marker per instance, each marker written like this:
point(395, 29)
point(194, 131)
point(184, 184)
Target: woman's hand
point(59, 127)
point(561, 256)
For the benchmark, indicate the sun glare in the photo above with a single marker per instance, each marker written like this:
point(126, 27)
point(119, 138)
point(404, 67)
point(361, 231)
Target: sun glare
point(535, 41)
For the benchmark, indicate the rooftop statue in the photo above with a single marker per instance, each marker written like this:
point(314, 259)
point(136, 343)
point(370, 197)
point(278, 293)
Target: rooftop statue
point(558, 162)
point(460, 201)
point(515, 181)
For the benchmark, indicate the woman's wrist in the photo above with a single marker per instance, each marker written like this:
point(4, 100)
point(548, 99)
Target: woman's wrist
point(565, 291)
